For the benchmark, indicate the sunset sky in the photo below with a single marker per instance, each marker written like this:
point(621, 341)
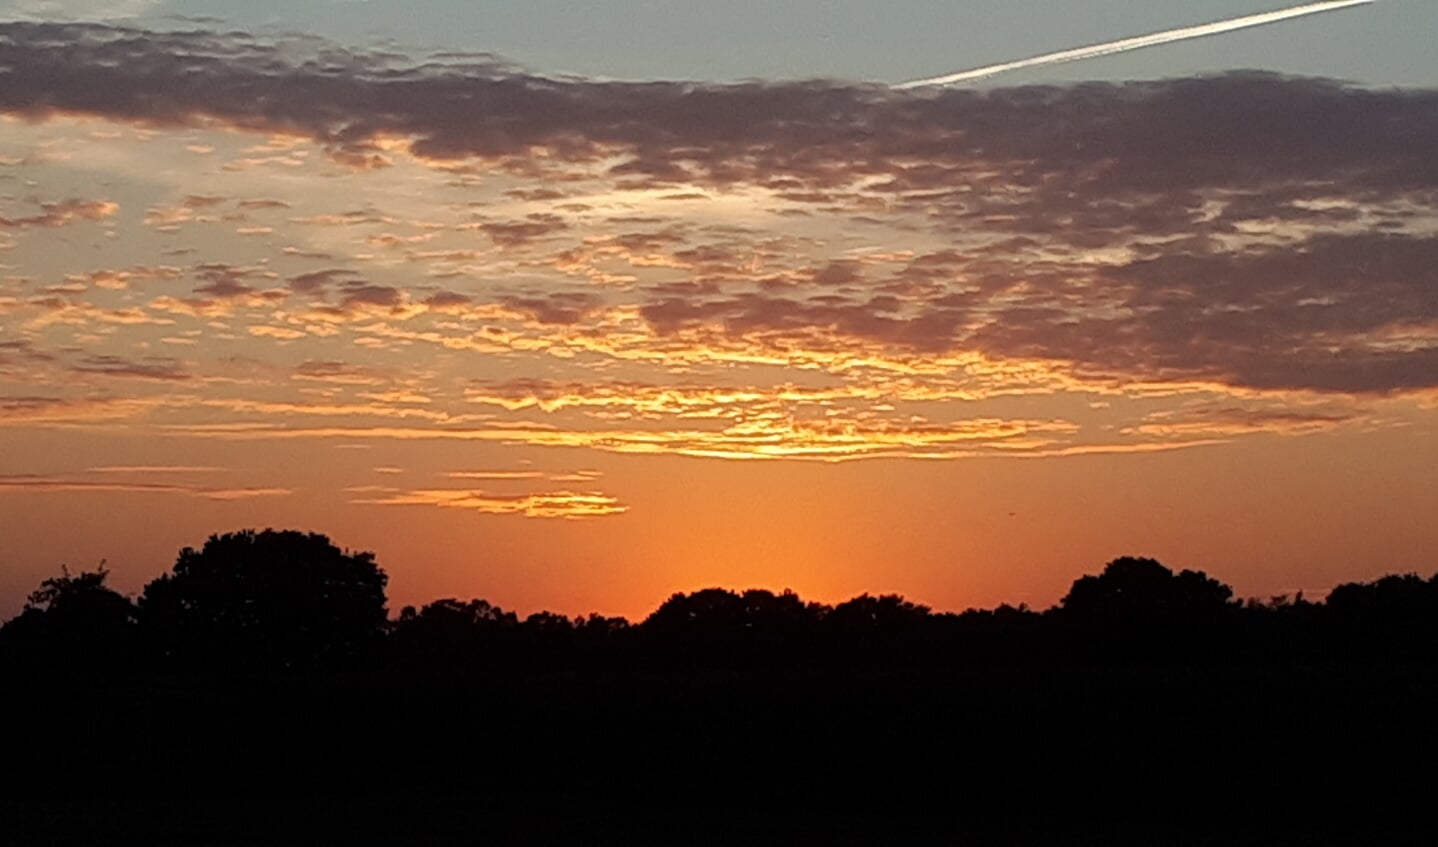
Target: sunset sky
point(572, 306)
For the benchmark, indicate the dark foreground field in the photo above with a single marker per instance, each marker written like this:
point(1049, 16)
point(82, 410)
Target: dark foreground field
point(1082, 753)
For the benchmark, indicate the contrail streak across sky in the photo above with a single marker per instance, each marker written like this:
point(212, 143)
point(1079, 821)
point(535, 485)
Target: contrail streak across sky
point(1137, 42)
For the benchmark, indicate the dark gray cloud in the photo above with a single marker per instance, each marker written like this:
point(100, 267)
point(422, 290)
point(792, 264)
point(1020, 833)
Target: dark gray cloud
point(1351, 314)
point(1242, 130)
point(356, 294)
point(522, 232)
point(318, 282)
point(442, 300)
point(558, 307)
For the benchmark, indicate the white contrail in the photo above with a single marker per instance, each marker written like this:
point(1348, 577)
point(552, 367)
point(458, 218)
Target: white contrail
point(1138, 42)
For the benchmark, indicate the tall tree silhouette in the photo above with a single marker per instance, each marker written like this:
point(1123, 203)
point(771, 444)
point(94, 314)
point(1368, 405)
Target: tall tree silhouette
point(268, 599)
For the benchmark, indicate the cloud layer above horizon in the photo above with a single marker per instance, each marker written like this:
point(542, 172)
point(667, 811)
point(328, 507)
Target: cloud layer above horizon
point(217, 236)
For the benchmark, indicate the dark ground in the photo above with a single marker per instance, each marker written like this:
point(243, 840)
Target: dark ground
point(1100, 753)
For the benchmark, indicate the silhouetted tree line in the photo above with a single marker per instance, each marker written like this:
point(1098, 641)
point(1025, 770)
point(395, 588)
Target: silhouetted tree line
point(261, 692)
point(290, 601)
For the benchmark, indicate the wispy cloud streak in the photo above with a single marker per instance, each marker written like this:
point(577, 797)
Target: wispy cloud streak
point(1136, 43)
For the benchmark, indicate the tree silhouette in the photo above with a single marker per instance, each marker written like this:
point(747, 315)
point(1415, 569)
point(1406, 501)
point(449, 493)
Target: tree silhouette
point(1139, 588)
point(887, 613)
point(1394, 612)
point(719, 613)
point(451, 631)
point(74, 620)
point(1392, 596)
point(1139, 609)
point(269, 599)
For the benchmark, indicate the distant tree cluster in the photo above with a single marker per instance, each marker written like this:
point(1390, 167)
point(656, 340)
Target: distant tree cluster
point(292, 601)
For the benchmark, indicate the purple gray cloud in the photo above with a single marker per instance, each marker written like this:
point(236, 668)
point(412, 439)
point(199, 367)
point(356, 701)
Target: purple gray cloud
point(1250, 229)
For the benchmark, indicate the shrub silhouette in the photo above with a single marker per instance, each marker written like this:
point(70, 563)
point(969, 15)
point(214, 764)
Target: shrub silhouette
point(267, 599)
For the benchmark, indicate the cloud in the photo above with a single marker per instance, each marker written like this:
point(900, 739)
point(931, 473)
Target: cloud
point(1209, 132)
point(556, 307)
point(318, 282)
point(61, 213)
point(559, 504)
point(1228, 421)
point(1351, 314)
point(158, 469)
point(765, 437)
point(522, 233)
point(21, 356)
point(335, 371)
point(92, 10)
point(120, 280)
point(38, 482)
point(152, 367)
point(853, 266)
point(33, 410)
point(572, 476)
point(495, 475)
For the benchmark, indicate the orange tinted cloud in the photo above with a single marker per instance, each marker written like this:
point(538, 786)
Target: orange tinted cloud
point(559, 504)
point(36, 482)
point(62, 213)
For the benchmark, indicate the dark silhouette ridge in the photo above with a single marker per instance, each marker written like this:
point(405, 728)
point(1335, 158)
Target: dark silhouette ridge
point(257, 694)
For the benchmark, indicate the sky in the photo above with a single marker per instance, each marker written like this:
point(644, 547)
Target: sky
point(575, 308)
